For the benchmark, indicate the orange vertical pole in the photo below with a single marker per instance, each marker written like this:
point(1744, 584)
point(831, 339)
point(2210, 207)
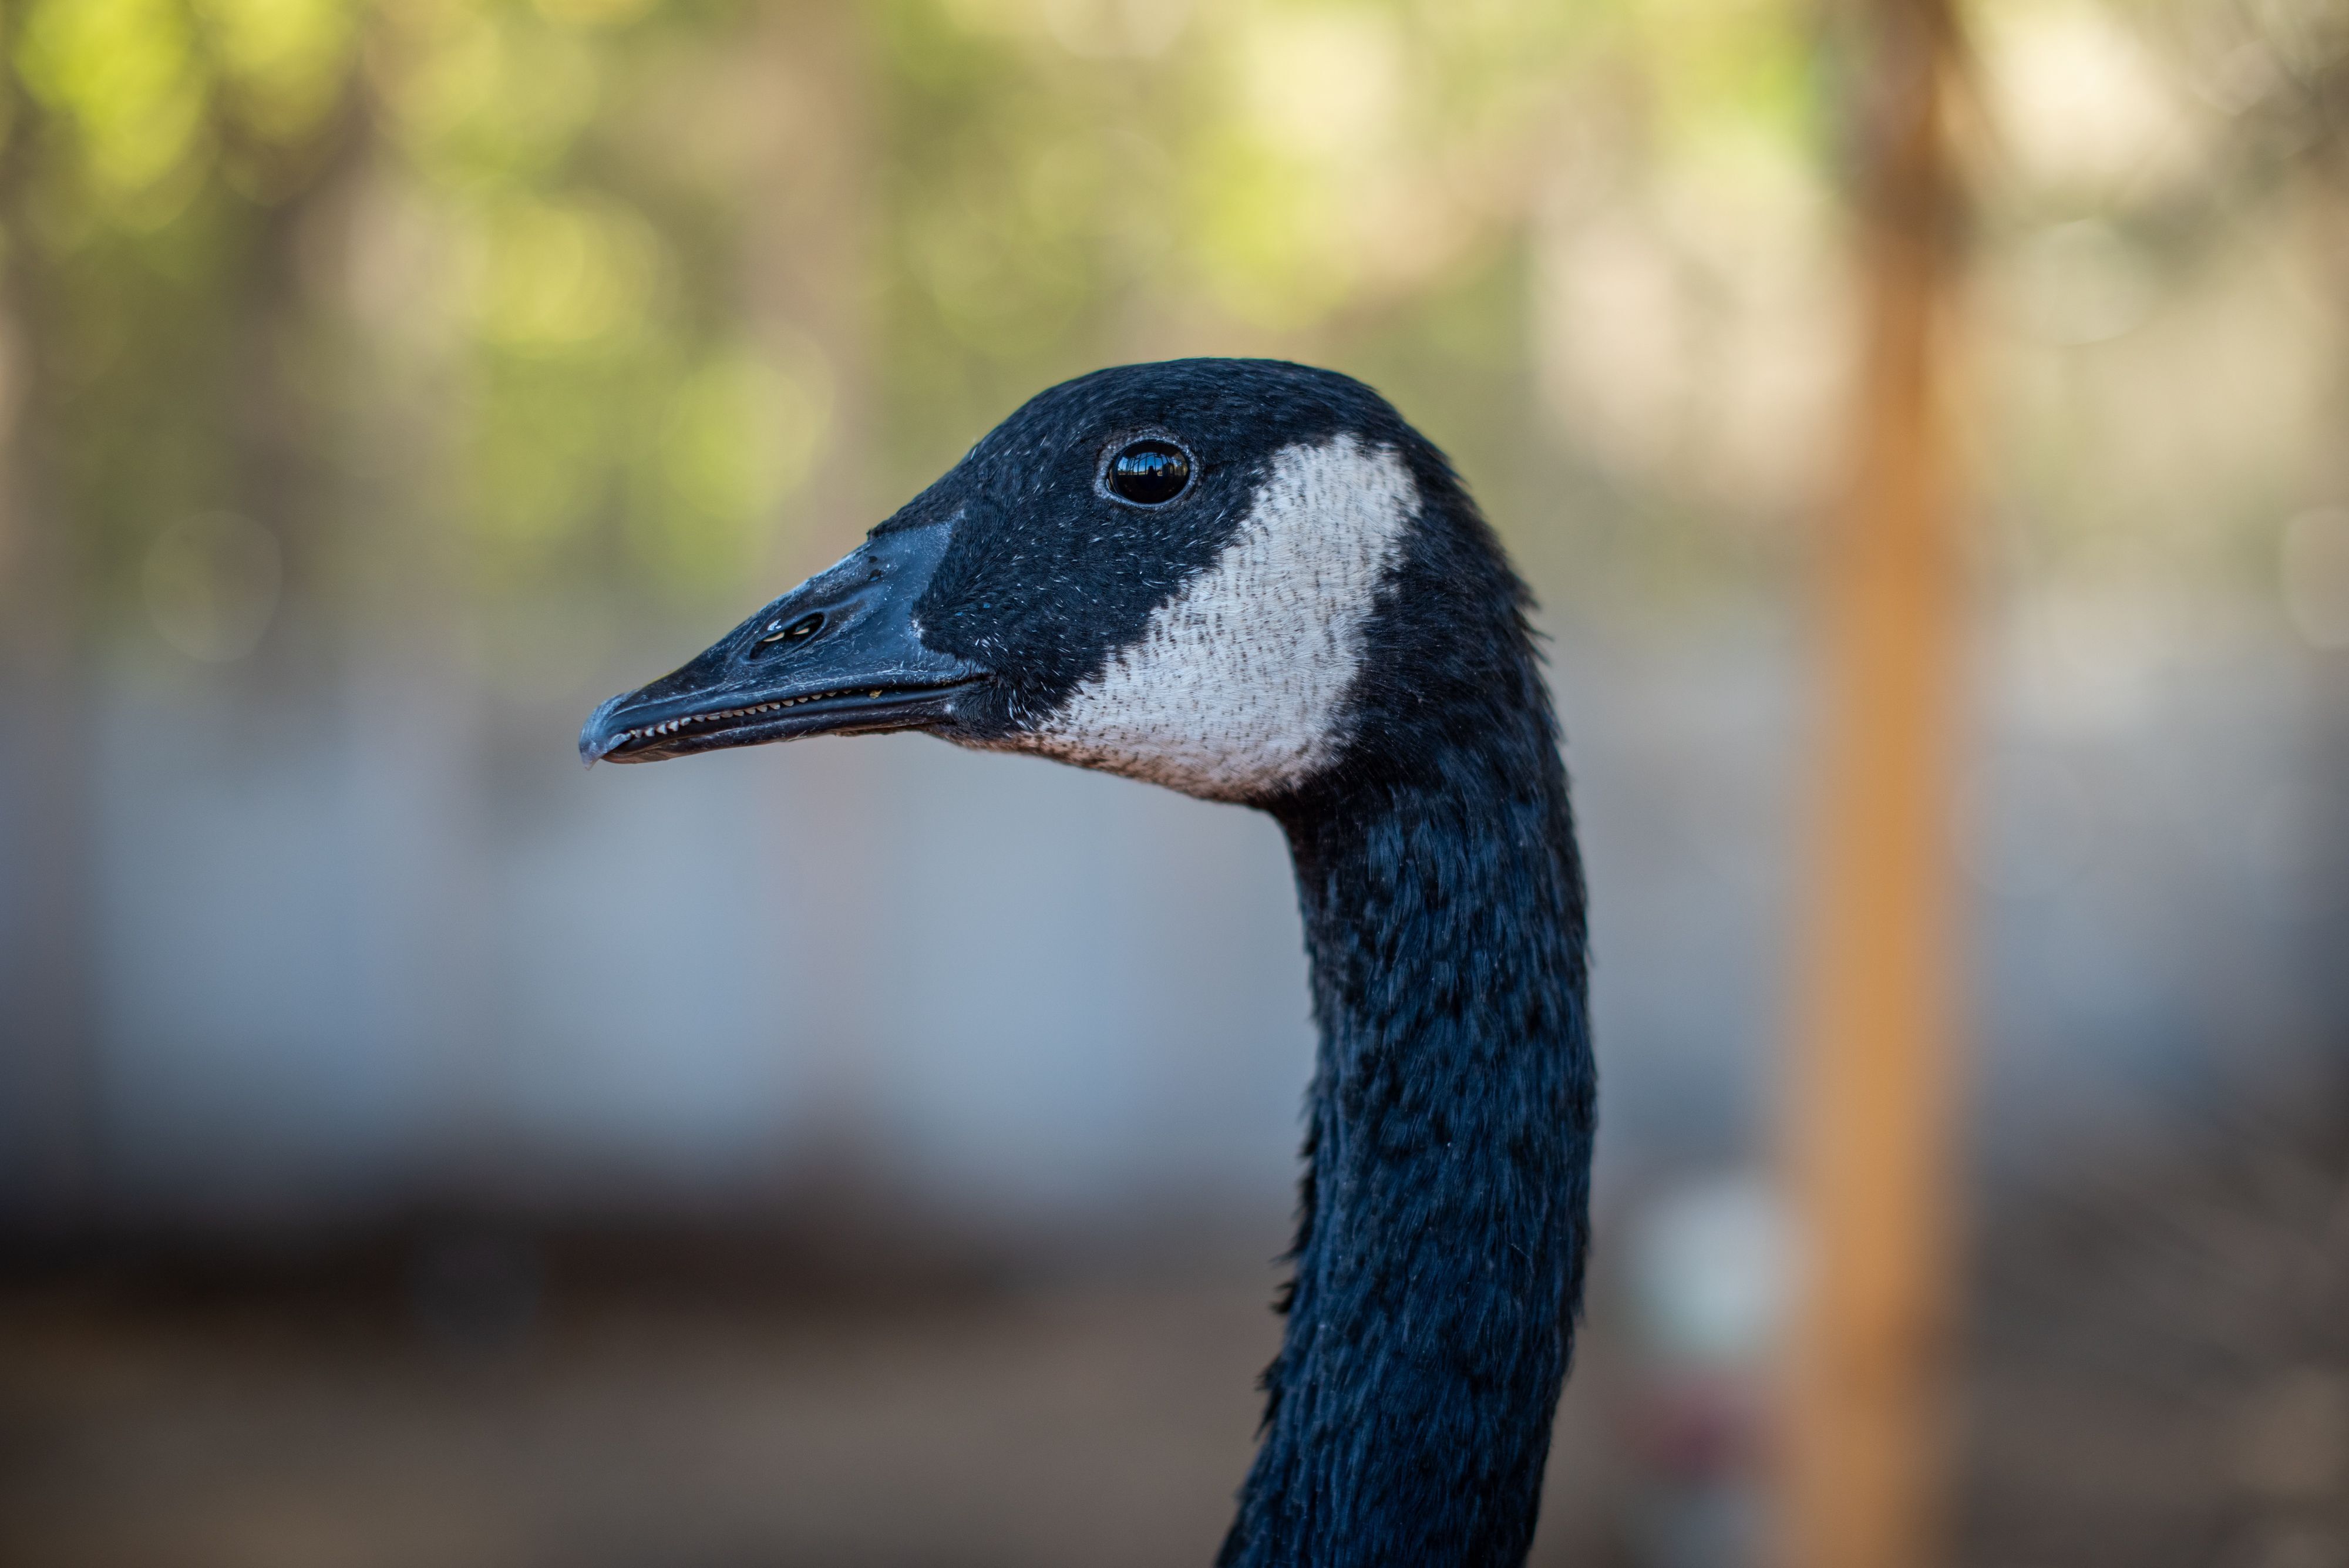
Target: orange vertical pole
point(1872, 1124)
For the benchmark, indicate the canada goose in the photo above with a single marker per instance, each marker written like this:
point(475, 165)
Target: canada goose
point(1253, 582)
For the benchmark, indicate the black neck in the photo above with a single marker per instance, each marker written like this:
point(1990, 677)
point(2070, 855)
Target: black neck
point(1445, 1206)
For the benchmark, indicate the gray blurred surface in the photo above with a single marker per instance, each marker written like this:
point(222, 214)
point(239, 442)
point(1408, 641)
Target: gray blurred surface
point(387, 944)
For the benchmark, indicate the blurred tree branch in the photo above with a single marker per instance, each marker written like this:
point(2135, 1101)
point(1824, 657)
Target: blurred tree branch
point(47, 1068)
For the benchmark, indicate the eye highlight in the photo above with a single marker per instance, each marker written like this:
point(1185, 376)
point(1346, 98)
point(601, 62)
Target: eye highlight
point(1150, 472)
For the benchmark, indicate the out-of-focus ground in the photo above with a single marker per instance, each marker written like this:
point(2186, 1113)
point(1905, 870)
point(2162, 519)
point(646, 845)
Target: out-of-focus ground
point(2158, 1353)
point(307, 1423)
point(2157, 1358)
point(658, 1405)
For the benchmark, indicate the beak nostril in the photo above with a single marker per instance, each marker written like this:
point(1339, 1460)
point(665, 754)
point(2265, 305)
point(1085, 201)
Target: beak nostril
point(799, 630)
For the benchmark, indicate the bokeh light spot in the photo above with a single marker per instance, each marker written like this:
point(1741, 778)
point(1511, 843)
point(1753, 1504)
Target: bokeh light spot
point(560, 275)
point(211, 583)
point(2315, 576)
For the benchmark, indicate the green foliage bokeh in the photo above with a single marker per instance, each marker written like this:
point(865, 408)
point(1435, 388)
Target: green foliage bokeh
point(566, 294)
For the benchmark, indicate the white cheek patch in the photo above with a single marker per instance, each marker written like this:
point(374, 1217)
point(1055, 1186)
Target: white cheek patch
point(1234, 688)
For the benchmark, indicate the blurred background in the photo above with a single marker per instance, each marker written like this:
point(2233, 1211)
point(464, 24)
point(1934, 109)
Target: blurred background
point(415, 1149)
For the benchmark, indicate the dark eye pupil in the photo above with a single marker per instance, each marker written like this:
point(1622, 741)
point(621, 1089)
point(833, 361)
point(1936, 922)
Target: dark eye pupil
point(1150, 472)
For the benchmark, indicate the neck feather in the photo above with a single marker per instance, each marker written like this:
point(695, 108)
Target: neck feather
point(1445, 1208)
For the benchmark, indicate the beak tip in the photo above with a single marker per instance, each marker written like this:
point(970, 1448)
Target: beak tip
point(598, 738)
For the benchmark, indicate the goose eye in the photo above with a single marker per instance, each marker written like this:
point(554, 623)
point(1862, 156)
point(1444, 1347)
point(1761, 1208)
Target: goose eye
point(1150, 472)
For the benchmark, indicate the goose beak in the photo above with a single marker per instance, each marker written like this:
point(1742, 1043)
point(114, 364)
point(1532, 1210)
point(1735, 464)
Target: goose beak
point(839, 654)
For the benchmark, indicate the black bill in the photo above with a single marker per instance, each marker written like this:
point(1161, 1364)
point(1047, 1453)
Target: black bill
point(839, 654)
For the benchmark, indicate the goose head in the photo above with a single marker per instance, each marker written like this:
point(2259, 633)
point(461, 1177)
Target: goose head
point(1194, 572)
